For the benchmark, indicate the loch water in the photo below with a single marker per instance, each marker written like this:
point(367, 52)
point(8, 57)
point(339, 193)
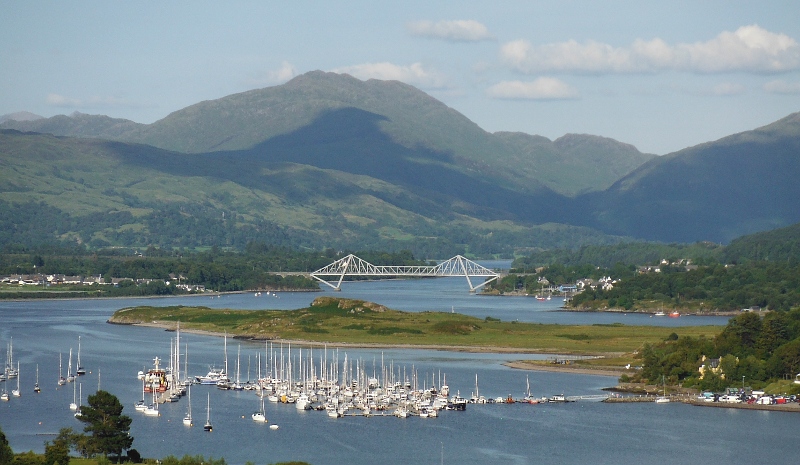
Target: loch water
point(574, 433)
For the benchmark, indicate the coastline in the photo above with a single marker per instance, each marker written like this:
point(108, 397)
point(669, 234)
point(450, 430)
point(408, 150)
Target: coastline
point(600, 371)
point(205, 294)
point(306, 343)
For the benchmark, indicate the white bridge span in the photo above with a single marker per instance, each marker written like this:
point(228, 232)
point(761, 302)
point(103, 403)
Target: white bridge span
point(351, 265)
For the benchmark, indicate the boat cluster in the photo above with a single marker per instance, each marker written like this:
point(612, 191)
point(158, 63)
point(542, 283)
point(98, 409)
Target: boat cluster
point(320, 382)
point(10, 372)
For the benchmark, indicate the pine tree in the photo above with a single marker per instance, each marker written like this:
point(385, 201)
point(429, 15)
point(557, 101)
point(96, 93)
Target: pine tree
point(106, 423)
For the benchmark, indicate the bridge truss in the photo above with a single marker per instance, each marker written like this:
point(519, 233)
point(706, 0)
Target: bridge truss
point(352, 265)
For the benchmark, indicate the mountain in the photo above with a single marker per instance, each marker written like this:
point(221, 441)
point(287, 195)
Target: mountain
point(327, 159)
point(113, 193)
point(76, 125)
point(410, 118)
point(717, 191)
point(573, 163)
point(20, 116)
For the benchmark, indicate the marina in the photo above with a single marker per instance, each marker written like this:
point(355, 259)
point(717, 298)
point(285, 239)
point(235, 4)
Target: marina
point(582, 431)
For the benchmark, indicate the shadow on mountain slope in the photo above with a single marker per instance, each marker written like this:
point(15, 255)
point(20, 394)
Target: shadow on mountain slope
point(351, 140)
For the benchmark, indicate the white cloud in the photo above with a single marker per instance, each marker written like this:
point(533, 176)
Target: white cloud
point(57, 100)
point(456, 30)
point(283, 74)
point(276, 76)
point(415, 74)
point(782, 87)
point(544, 88)
point(749, 49)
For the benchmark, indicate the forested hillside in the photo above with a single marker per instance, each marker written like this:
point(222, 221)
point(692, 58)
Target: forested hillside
point(717, 191)
point(753, 349)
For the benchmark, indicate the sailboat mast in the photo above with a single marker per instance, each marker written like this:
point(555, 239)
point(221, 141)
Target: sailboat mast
point(177, 374)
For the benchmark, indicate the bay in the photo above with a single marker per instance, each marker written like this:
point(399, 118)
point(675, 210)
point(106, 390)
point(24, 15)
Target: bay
point(580, 432)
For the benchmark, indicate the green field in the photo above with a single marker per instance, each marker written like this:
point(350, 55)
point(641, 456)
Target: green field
point(333, 320)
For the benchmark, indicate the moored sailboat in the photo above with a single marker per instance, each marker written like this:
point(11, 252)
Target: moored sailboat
point(74, 404)
point(16, 392)
point(80, 394)
point(207, 426)
point(141, 406)
point(36, 387)
point(152, 409)
point(80, 370)
point(261, 415)
point(70, 376)
point(61, 380)
point(187, 420)
point(663, 399)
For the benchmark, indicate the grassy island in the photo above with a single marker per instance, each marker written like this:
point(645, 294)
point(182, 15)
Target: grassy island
point(355, 322)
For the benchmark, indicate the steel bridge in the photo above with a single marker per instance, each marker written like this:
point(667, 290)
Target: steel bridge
point(351, 265)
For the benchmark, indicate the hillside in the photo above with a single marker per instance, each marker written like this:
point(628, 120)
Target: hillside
point(574, 163)
point(112, 193)
point(779, 245)
point(329, 160)
point(716, 191)
point(408, 116)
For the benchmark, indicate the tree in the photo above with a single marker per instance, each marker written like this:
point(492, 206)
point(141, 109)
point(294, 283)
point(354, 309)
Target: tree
point(57, 452)
point(6, 454)
point(29, 458)
point(108, 427)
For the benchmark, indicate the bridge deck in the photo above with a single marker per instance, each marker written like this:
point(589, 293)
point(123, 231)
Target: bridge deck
point(352, 265)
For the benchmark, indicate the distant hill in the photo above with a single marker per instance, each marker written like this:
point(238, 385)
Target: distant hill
point(76, 125)
point(717, 191)
point(779, 245)
point(19, 116)
point(573, 163)
point(409, 117)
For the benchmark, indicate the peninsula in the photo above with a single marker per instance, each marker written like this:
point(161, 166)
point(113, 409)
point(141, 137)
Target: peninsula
point(356, 323)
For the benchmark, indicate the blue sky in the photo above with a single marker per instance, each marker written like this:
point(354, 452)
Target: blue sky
point(661, 75)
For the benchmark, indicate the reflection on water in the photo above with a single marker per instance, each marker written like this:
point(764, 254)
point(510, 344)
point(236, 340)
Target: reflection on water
point(580, 432)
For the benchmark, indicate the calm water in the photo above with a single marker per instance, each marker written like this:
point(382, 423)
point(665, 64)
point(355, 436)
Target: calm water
point(576, 433)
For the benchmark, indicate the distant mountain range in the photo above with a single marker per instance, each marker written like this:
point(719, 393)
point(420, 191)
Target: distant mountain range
point(408, 117)
point(329, 160)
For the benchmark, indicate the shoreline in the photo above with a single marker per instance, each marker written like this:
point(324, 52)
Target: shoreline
point(604, 371)
point(354, 345)
point(216, 293)
point(206, 294)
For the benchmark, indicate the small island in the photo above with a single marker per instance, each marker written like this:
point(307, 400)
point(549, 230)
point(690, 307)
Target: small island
point(356, 323)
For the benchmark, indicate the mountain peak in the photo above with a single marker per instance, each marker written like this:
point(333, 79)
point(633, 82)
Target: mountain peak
point(20, 116)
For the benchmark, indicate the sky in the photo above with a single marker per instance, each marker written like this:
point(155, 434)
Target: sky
point(661, 75)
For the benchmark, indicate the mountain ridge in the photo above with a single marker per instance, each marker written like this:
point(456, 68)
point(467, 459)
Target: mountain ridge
point(737, 185)
point(411, 169)
point(413, 119)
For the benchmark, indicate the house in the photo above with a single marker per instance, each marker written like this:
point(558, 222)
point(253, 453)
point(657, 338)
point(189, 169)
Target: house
point(712, 366)
point(73, 280)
